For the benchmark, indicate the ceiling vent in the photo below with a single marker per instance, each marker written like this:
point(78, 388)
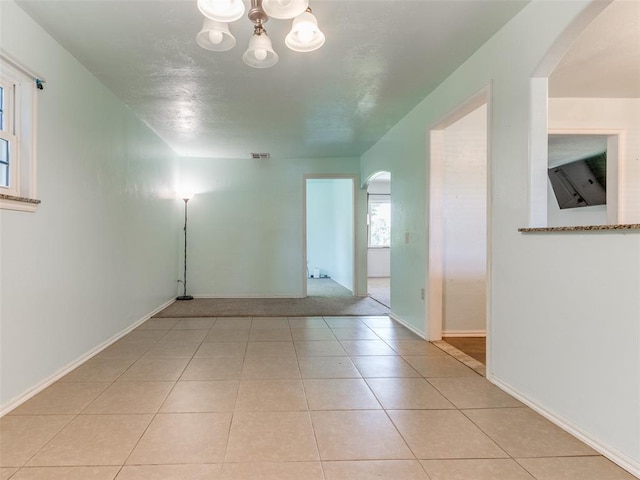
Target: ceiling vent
point(260, 156)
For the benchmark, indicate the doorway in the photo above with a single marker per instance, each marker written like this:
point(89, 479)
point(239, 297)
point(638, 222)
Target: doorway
point(458, 229)
point(329, 236)
point(379, 238)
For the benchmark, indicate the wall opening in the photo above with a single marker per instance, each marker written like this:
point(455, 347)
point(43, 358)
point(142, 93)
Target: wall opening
point(329, 236)
point(590, 89)
point(458, 226)
point(379, 237)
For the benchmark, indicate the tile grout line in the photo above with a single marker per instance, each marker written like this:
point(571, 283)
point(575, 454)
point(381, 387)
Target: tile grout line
point(76, 415)
point(155, 415)
point(298, 357)
point(235, 403)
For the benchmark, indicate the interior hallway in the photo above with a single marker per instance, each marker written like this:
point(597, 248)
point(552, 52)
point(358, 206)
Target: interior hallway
point(305, 398)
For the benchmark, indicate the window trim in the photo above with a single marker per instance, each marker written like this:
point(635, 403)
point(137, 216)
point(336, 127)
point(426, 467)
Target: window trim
point(8, 133)
point(21, 195)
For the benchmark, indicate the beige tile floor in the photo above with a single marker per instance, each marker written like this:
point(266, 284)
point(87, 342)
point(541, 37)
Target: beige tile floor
point(336, 398)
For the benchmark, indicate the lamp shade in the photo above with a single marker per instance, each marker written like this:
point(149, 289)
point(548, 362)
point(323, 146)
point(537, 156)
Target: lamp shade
point(284, 9)
point(305, 36)
point(221, 10)
point(215, 36)
point(185, 194)
point(260, 54)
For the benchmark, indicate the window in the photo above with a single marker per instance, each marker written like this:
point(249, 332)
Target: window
point(379, 220)
point(17, 136)
point(8, 180)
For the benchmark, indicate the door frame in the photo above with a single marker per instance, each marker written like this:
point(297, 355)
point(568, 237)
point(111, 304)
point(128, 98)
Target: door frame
point(435, 219)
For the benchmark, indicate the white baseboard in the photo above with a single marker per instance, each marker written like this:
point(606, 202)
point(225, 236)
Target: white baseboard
point(248, 296)
point(464, 333)
point(629, 464)
point(359, 295)
point(31, 392)
point(402, 322)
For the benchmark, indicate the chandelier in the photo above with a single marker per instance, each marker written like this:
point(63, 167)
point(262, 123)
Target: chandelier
point(305, 36)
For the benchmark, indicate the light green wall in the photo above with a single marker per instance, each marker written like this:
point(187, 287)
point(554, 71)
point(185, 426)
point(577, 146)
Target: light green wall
point(246, 224)
point(398, 153)
point(563, 308)
point(343, 236)
point(100, 252)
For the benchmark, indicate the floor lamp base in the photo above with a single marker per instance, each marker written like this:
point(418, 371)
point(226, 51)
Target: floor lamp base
point(184, 297)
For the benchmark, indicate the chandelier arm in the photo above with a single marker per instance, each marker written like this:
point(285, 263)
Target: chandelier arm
point(257, 14)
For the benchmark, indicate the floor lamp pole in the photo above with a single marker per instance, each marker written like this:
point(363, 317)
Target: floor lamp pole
point(184, 296)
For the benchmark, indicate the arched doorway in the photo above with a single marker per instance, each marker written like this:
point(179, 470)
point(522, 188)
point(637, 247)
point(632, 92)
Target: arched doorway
point(379, 238)
point(588, 88)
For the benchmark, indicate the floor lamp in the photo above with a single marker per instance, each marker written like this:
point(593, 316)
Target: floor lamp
point(186, 197)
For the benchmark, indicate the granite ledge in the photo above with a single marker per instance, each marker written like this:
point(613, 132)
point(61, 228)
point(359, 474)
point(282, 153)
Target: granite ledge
point(582, 228)
point(19, 199)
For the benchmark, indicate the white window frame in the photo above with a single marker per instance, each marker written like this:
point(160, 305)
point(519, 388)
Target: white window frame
point(20, 130)
point(370, 200)
point(8, 134)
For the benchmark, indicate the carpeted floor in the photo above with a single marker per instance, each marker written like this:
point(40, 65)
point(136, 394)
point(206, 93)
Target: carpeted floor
point(326, 287)
point(379, 288)
point(275, 307)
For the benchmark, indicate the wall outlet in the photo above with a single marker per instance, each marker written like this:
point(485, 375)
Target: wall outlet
point(422, 293)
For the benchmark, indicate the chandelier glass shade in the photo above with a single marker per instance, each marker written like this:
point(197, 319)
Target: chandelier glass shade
point(221, 10)
point(284, 9)
point(260, 53)
point(215, 35)
point(305, 36)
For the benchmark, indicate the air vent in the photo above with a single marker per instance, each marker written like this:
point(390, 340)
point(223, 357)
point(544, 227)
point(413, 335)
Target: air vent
point(260, 155)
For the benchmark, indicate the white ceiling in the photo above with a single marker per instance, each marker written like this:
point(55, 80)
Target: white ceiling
point(604, 62)
point(380, 59)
